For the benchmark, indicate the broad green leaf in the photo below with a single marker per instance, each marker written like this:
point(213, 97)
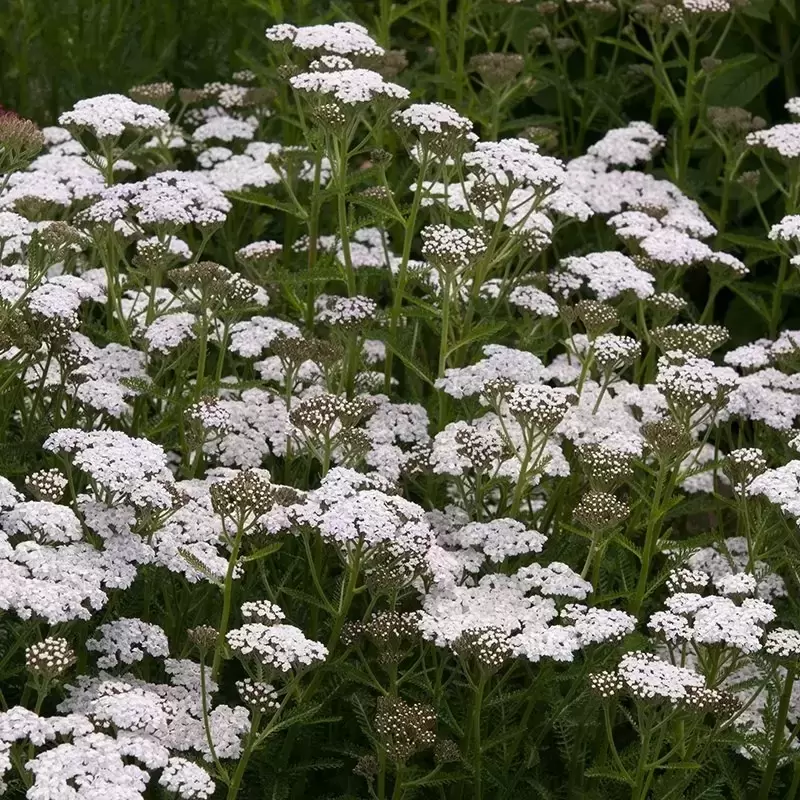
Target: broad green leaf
point(760, 9)
point(750, 242)
point(748, 295)
point(740, 81)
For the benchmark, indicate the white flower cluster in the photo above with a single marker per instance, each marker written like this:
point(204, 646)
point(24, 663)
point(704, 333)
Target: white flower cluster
point(281, 647)
point(108, 116)
point(135, 470)
point(528, 624)
point(626, 147)
point(170, 198)
point(714, 620)
point(515, 162)
point(350, 87)
point(498, 540)
point(518, 366)
point(353, 512)
point(784, 139)
point(187, 780)
point(650, 678)
point(340, 38)
point(126, 641)
point(608, 275)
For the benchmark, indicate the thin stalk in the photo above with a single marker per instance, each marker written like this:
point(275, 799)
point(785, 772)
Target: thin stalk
point(444, 338)
point(236, 780)
point(779, 736)
point(777, 297)
point(313, 241)
point(341, 206)
point(402, 274)
point(477, 754)
point(226, 603)
point(650, 542)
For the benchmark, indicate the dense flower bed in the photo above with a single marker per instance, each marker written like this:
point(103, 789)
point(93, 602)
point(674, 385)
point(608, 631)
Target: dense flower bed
point(352, 450)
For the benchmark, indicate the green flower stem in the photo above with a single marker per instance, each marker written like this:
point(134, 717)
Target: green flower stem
point(341, 150)
point(346, 595)
point(519, 489)
point(402, 274)
point(776, 311)
point(795, 787)
point(779, 735)
point(650, 541)
point(226, 602)
point(201, 360)
point(443, 27)
point(462, 21)
point(381, 774)
point(590, 555)
point(313, 237)
point(223, 773)
point(352, 353)
point(444, 337)
point(398, 783)
point(236, 780)
point(475, 737)
point(610, 737)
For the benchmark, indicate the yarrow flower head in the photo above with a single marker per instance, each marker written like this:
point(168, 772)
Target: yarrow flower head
point(628, 146)
point(168, 200)
point(127, 641)
point(691, 382)
point(699, 340)
point(600, 511)
point(606, 684)
point(50, 658)
point(281, 647)
point(453, 250)
point(132, 469)
point(404, 729)
point(261, 697)
point(743, 465)
point(612, 352)
point(538, 405)
point(649, 678)
point(108, 116)
point(435, 125)
point(345, 312)
point(515, 163)
point(783, 643)
point(340, 39)
point(210, 415)
point(605, 467)
point(46, 484)
point(187, 780)
point(350, 87)
point(262, 611)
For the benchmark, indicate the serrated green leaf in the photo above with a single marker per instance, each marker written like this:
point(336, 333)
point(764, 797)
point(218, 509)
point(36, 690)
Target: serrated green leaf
point(320, 274)
point(302, 718)
point(607, 774)
point(263, 199)
point(264, 552)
